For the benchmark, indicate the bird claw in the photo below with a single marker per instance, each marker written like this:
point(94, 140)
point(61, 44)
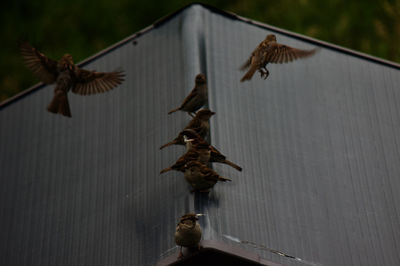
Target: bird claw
point(264, 73)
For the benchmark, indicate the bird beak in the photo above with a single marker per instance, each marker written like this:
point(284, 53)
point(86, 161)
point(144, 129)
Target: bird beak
point(212, 113)
point(200, 214)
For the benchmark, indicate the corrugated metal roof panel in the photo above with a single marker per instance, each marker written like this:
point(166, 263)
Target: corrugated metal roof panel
point(87, 190)
point(318, 146)
point(318, 143)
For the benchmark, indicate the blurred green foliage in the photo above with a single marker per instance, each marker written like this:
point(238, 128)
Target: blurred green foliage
point(83, 28)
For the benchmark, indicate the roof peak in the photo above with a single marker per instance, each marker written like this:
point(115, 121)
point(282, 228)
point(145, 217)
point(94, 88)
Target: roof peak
point(228, 14)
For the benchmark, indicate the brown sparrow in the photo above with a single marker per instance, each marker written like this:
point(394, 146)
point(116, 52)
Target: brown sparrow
point(200, 123)
point(201, 177)
point(196, 98)
point(269, 51)
point(179, 165)
point(188, 232)
point(67, 76)
point(207, 152)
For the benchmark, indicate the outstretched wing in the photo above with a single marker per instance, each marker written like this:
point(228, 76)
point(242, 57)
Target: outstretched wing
point(42, 66)
point(246, 64)
point(92, 82)
point(280, 53)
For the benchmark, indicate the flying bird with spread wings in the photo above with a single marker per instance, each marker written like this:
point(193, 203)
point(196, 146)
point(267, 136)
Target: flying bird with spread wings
point(269, 51)
point(67, 76)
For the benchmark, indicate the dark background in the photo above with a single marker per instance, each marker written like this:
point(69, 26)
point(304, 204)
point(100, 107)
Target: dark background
point(83, 28)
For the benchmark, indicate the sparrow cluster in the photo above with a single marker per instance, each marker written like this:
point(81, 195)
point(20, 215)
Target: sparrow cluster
point(195, 162)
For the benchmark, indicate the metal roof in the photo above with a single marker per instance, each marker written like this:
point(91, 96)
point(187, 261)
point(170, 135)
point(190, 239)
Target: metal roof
point(318, 142)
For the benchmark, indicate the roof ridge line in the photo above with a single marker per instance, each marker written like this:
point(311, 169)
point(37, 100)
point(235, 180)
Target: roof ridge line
point(229, 14)
point(301, 36)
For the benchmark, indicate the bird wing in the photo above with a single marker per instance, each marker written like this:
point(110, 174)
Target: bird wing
point(42, 66)
point(211, 176)
point(216, 154)
point(246, 64)
point(180, 163)
point(205, 170)
point(194, 124)
point(191, 95)
point(184, 159)
point(92, 82)
point(280, 53)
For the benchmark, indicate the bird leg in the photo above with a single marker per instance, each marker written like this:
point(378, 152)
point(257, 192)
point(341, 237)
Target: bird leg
point(264, 73)
point(180, 255)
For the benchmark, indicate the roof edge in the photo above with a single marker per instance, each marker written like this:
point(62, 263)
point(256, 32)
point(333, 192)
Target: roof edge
point(80, 64)
point(228, 14)
point(302, 37)
point(215, 246)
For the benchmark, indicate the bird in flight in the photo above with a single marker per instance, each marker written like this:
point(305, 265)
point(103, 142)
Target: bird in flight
point(67, 76)
point(269, 51)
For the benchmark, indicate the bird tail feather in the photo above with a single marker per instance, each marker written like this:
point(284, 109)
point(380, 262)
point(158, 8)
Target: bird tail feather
point(168, 144)
point(249, 74)
point(60, 104)
point(223, 179)
point(165, 170)
point(246, 64)
point(237, 167)
point(173, 110)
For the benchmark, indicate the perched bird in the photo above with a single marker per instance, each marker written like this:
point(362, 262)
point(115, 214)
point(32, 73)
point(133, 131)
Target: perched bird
point(200, 147)
point(179, 165)
point(200, 123)
point(201, 177)
point(207, 152)
point(269, 51)
point(188, 232)
point(67, 76)
point(196, 98)
point(192, 139)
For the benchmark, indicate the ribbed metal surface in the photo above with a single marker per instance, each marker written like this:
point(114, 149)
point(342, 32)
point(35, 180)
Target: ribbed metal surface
point(318, 142)
point(87, 190)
